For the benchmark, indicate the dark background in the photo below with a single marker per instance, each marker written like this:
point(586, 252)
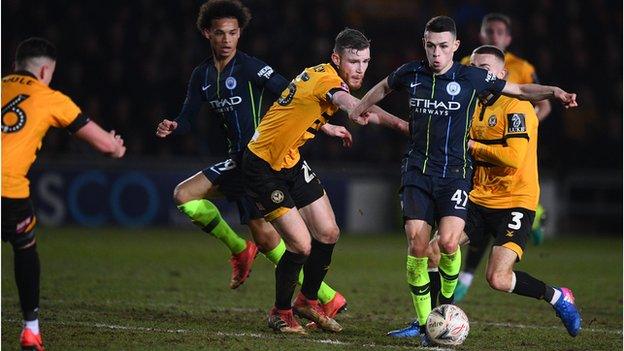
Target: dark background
point(127, 64)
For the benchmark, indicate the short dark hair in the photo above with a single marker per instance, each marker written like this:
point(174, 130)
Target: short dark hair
point(441, 24)
point(497, 17)
point(490, 50)
point(216, 9)
point(350, 39)
point(34, 47)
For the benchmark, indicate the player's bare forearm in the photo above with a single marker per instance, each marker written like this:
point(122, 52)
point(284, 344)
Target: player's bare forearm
point(386, 119)
point(108, 143)
point(537, 92)
point(373, 96)
point(510, 155)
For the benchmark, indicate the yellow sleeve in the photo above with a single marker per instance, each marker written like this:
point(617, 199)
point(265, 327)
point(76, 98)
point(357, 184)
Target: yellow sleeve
point(63, 110)
point(529, 73)
point(520, 118)
point(465, 60)
point(510, 155)
point(326, 84)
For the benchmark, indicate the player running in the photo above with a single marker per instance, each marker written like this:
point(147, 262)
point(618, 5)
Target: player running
point(437, 170)
point(234, 85)
point(29, 108)
point(496, 30)
point(503, 141)
point(289, 193)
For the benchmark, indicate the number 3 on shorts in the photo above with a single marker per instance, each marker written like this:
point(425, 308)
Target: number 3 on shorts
point(460, 198)
point(515, 220)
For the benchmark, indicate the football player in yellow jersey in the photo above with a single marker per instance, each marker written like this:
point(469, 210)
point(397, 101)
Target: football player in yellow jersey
point(496, 31)
point(285, 188)
point(243, 79)
point(502, 203)
point(29, 108)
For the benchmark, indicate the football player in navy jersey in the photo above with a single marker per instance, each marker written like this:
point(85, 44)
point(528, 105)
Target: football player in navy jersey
point(233, 84)
point(437, 170)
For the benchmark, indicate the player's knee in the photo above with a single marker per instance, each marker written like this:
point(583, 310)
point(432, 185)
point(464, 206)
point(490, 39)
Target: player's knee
point(499, 280)
point(265, 237)
point(448, 245)
point(301, 249)
point(329, 234)
point(418, 249)
point(181, 194)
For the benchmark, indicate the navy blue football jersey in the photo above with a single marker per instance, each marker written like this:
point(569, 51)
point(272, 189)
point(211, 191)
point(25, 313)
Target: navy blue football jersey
point(441, 108)
point(234, 95)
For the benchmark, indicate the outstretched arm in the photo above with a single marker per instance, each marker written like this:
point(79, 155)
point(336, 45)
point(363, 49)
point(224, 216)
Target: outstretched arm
point(108, 143)
point(373, 96)
point(537, 92)
point(386, 119)
point(375, 114)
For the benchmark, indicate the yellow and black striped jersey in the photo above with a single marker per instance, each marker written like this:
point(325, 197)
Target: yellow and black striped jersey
point(297, 115)
point(519, 70)
point(29, 109)
point(505, 154)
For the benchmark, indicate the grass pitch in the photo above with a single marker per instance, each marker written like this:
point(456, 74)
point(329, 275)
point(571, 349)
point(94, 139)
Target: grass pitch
point(111, 289)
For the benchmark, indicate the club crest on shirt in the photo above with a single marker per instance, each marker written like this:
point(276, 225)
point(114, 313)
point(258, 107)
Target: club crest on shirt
point(453, 88)
point(492, 121)
point(230, 83)
point(516, 123)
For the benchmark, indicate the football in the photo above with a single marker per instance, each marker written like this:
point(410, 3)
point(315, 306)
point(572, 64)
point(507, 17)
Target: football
point(447, 325)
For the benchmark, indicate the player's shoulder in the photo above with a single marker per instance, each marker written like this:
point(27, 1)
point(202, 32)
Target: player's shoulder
point(321, 71)
point(466, 72)
point(513, 105)
point(413, 66)
point(512, 59)
point(254, 65)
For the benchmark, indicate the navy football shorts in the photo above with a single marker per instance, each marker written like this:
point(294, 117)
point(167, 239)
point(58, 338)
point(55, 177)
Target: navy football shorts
point(228, 176)
point(430, 198)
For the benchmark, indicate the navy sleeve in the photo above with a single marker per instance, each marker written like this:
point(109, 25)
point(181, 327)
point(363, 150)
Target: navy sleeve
point(400, 78)
point(265, 76)
point(192, 103)
point(482, 80)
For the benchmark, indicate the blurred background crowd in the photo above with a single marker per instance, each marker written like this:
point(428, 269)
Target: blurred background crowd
point(127, 64)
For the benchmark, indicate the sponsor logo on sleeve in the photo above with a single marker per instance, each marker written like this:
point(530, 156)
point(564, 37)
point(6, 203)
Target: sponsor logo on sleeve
point(265, 72)
point(490, 77)
point(516, 123)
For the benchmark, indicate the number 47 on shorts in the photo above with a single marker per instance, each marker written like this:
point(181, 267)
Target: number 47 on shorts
point(460, 197)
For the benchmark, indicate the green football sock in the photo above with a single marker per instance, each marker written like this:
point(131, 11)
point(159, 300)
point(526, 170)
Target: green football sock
point(276, 253)
point(205, 215)
point(537, 221)
point(449, 271)
point(418, 280)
